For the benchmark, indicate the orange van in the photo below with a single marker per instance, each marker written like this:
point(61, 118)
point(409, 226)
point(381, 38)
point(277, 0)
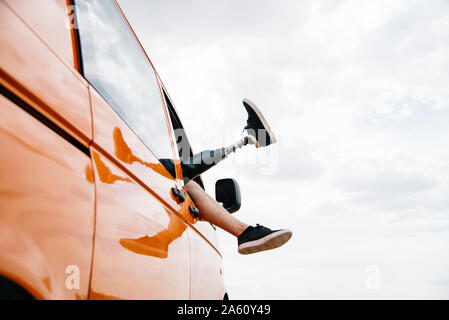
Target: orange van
point(87, 209)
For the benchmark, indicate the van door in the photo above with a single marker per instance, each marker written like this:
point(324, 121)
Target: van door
point(206, 280)
point(141, 249)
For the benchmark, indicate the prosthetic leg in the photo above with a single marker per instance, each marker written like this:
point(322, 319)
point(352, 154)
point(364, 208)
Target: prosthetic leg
point(258, 133)
point(251, 239)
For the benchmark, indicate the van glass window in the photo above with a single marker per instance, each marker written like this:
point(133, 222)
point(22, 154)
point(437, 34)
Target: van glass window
point(116, 66)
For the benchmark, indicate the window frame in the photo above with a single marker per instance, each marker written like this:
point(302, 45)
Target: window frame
point(172, 109)
point(77, 47)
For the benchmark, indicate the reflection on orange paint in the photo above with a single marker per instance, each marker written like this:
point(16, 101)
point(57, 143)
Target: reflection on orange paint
point(124, 153)
point(156, 245)
point(47, 283)
point(98, 296)
point(46, 208)
point(105, 173)
point(89, 173)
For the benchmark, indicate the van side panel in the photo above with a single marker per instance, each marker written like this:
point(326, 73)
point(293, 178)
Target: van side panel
point(46, 208)
point(37, 74)
point(207, 270)
point(50, 18)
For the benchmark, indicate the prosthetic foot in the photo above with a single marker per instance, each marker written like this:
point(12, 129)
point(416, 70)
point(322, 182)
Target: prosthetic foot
point(258, 131)
point(257, 126)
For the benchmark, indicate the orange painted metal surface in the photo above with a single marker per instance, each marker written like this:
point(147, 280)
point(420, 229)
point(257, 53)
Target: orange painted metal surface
point(46, 207)
point(36, 73)
point(50, 20)
point(206, 274)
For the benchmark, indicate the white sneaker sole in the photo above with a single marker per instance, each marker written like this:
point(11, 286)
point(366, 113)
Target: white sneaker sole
point(262, 119)
point(271, 241)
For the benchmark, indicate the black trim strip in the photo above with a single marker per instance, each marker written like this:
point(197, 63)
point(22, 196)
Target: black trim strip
point(43, 119)
point(77, 38)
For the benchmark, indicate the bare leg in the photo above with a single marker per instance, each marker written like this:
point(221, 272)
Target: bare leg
point(213, 212)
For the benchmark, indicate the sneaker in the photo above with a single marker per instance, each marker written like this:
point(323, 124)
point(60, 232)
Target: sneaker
point(259, 238)
point(257, 126)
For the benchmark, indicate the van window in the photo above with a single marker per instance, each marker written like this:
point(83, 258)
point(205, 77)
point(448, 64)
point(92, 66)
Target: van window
point(116, 66)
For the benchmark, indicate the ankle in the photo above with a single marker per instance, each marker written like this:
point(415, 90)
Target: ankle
point(242, 229)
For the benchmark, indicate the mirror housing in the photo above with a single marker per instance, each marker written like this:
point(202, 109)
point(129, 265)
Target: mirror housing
point(227, 191)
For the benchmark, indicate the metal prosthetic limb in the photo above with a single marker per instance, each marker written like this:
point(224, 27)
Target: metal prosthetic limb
point(200, 162)
point(240, 144)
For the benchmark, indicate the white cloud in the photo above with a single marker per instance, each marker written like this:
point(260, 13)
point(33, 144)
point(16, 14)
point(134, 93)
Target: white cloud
point(357, 93)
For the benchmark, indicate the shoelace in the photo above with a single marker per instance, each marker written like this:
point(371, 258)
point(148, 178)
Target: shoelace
point(258, 226)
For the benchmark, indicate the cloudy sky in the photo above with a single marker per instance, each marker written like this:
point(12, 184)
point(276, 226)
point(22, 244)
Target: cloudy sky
point(357, 93)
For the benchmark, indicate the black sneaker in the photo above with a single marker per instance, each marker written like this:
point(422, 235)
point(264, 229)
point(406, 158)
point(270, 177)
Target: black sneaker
point(259, 238)
point(257, 126)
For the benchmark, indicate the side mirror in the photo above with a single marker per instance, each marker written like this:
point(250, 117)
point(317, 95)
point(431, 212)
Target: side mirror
point(227, 191)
